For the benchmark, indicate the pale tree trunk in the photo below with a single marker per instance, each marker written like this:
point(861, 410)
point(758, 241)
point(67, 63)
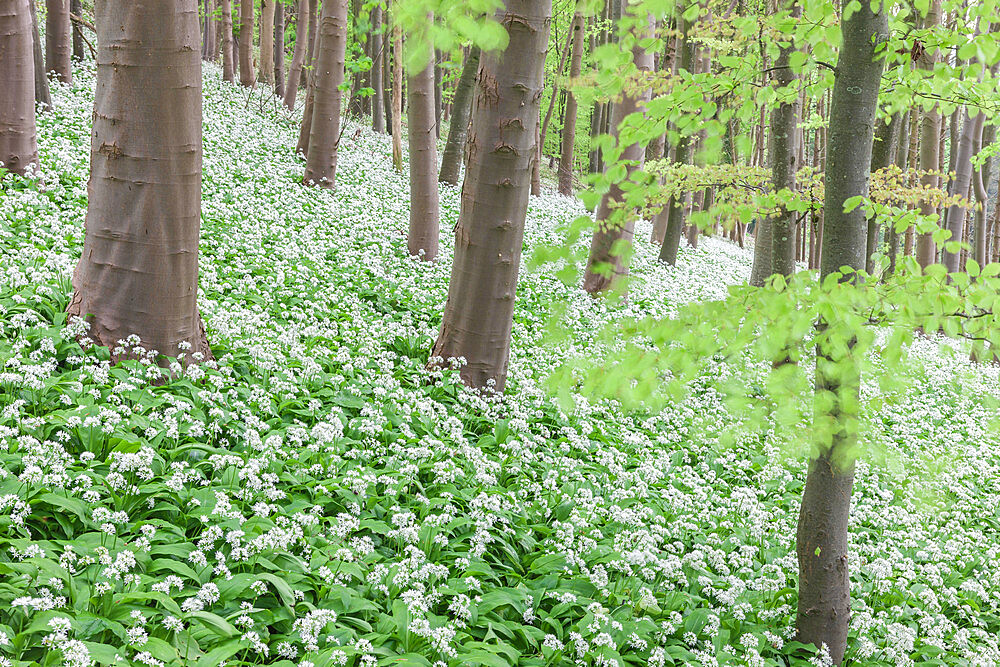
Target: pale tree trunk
point(321, 165)
point(960, 185)
point(824, 603)
point(479, 313)
point(138, 273)
point(266, 65)
point(422, 239)
point(58, 44)
point(397, 96)
point(979, 190)
point(279, 49)
point(451, 160)
point(299, 55)
point(246, 43)
point(76, 7)
point(208, 43)
point(311, 42)
point(42, 95)
point(18, 140)
point(228, 64)
point(378, 81)
point(568, 154)
point(784, 158)
point(930, 150)
point(607, 262)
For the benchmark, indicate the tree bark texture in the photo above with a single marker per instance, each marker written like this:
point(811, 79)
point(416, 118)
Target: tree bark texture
point(279, 49)
point(42, 95)
point(138, 273)
point(321, 165)
point(824, 604)
point(247, 77)
point(568, 153)
point(609, 247)
point(536, 167)
point(451, 159)
point(423, 237)
point(397, 96)
point(378, 82)
point(266, 63)
point(960, 185)
point(58, 43)
point(208, 41)
point(883, 154)
point(76, 7)
point(979, 190)
point(479, 313)
point(228, 64)
point(18, 139)
point(298, 55)
point(930, 149)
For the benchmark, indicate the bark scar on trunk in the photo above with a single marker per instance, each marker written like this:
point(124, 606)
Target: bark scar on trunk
point(111, 151)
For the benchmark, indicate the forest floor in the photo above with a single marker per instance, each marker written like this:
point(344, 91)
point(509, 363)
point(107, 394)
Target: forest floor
point(309, 498)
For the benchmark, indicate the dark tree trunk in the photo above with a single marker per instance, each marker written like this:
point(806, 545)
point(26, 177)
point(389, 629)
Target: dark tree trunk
point(138, 273)
point(228, 62)
point(397, 96)
point(18, 140)
point(479, 313)
point(299, 55)
point(247, 77)
point(321, 165)
point(266, 40)
point(979, 190)
point(883, 154)
point(568, 154)
point(76, 7)
point(378, 83)
point(824, 604)
point(58, 44)
point(279, 49)
point(310, 43)
point(960, 185)
point(356, 106)
point(451, 160)
point(930, 149)
point(536, 173)
point(42, 95)
point(422, 240)
point(208, 33)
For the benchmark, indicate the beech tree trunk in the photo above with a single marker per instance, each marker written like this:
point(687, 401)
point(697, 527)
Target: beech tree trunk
point(76, 7)
point(321, 165)
point(299, 55)
point(397, 96)
point(18, 140)
point(536, 167)
point(979, 190)
point(960, 185)
point(310, 43)
point(451, 160)
point(784, 157)
point(378, 82)
point(208, 41)
point(228, 64)
point(266, 64)
point(479, 313)
point(568, 154)
point(58, 44)
point(138, 273)
point(42, 95)
point(930, 149)
point(247, 77)
point(422, 240)
point(279, 49)
point(607, 262)
point(883, 154)
point(824, 604)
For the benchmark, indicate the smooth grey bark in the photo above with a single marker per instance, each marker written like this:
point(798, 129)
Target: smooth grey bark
point(298, 55)
point(208, 33)
point(451, 159)
point(824, 602)
point(479, 313)
point(397, 96)
point(18, 139)
point(784, 157)
point(76, 7)
point(266, 41)
point(422, 240)
point(387, 77)
point(247, 77)
point(305, 131)
point(228, 61)
point(930, 149)
point(979, 190)
point(138, 273)
point(568, 154)
point(321, 164)
point(42, 95)
point(883, 154)
point(438, 92)
point(960, 185)
point(58, 43)
point(378, 82)
point(279, 49)
point(311, 42)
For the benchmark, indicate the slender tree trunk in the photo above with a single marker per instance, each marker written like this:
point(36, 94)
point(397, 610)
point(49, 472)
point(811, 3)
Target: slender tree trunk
point(387, 76)
point(247, 77)
point(310, 43)
point(138, 273)
point(536, 174)
point(18, 139)
point(321, 164)
point(955, 219)
point(929, 144)
point(438, 93)
point(298, 56)
point(378, 71)
point(279, 49)
point(824, 605)
point(451, 160)
point(58, 44)
point(208, 33)
point(612, 239)
point(979, 189)
point(76, 7)
point(228, 64)
point(479, 313)
point(423, 238)
point(397, 96)
point(43, 97)
point(568, 155)
point(883, 154)
point(266, 63)
point(902, 150)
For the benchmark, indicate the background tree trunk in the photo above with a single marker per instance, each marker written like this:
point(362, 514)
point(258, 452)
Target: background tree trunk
point(479, 313)
point(378, 80)
point(568, 154)
point(311, 42)
point(208, 41)
point(279, 49)
point(979, 189)
point(451, 160)
point(883, 154)
point(784, 158)
point(267, 42)
point(960, 185)
point(299, 55)
point(321, 165)
point(397, 96)
point(930, 150)
point(18, 139)
point(58, 44)
point(138, 273)
point(228, 66)
point(76, 7)
point(824, 605)
point(42, 95)
point(422, 240)
point(247, 77)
